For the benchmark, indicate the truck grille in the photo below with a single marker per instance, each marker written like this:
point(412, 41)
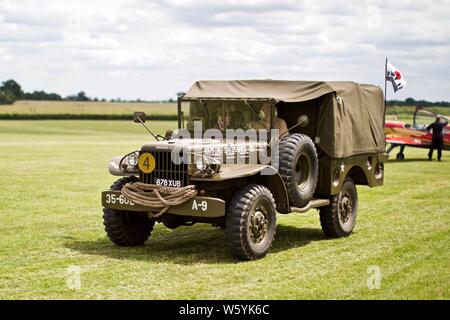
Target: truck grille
point(165, 169)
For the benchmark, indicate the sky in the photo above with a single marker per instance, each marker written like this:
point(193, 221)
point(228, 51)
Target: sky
point(153, 49)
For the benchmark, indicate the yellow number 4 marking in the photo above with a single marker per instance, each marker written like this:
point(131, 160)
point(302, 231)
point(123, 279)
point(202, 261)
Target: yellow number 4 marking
point(146, 162)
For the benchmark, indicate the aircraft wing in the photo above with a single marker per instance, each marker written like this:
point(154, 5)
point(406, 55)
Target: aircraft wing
point(409, 141)
point(397, 133)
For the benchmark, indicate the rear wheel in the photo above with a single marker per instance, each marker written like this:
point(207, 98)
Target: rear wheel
point(251, 222)
point(400, 156)
point(339, 217)
point(126, 228)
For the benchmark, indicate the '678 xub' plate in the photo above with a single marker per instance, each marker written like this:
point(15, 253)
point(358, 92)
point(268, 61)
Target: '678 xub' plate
point(168, 182)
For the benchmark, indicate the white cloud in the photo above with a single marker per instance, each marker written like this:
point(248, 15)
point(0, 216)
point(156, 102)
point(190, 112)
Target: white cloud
point(152, 49)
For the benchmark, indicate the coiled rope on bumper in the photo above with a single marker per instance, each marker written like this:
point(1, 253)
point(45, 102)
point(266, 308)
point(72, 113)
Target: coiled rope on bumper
point(160, 197)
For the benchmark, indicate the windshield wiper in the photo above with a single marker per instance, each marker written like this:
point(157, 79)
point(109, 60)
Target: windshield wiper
point(206, 111)
point(251, 107)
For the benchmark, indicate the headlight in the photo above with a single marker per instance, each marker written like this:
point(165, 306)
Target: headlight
point(208, 165)
point(201, 165)
point(132, 159)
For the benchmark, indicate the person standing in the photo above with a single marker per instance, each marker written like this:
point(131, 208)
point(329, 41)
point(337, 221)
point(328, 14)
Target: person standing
point(438, 138)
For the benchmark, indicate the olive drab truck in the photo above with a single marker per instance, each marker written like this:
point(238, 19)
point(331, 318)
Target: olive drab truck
point(228, 165)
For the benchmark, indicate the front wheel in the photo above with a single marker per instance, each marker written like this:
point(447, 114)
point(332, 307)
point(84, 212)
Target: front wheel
point(339, 217)
point(126, 228)
point(251, 222)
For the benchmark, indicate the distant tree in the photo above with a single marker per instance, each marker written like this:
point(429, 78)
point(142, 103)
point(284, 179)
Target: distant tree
point(54, 96)
point(10, 90)
point(180, 93)
point(7, 97)
point(12, 86)
point(410, 101)
point(40, 95)
point(81, 96)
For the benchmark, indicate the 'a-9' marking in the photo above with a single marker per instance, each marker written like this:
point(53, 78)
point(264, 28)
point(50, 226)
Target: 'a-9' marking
point(203, 206)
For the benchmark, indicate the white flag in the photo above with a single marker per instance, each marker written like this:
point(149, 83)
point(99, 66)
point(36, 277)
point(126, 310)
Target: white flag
point(396, 77)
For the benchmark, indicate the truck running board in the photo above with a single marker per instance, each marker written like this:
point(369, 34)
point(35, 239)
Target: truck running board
point(314, 203)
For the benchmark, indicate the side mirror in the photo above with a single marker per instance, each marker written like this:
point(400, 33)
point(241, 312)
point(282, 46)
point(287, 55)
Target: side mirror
point(303, 121)
point(139, 117)
point(168, 134)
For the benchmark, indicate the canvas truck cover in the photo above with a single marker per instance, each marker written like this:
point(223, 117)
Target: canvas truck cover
point(351, 115)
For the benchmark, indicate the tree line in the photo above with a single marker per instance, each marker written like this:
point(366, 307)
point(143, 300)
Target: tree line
point(413, 102)
point(11, 91)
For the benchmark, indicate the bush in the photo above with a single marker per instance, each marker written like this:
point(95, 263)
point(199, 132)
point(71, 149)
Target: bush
point(7, 97)
point(40, 95)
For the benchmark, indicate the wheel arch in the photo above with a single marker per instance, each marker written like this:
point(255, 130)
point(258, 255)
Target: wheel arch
point(358, 175)
point(272, 180)
point(264, 175)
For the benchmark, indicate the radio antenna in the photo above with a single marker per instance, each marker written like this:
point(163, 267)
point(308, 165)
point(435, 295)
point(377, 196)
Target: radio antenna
point(139, 117)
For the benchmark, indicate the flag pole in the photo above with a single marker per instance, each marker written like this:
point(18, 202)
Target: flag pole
point(385, 82)
point(385, 89)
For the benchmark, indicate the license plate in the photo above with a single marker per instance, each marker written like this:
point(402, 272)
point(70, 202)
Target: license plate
point(168, 182)
point(114, 198)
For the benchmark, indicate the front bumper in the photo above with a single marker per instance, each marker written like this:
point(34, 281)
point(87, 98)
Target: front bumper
point(205, 207)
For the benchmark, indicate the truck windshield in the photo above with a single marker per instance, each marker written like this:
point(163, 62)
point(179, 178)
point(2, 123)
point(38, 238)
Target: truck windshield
point(224, 115)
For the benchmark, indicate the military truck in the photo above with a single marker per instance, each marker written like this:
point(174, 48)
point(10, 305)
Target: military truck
point(333, 141)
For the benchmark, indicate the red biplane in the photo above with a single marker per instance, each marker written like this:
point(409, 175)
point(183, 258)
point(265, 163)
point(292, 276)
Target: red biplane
point(400, 134)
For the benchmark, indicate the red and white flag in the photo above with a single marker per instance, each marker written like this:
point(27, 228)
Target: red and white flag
point(395, 76)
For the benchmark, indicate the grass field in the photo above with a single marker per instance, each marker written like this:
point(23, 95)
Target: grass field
point(50, 222)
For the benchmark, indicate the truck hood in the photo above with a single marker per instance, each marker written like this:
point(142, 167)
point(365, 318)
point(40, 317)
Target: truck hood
point(223, 151)
point(202, 145)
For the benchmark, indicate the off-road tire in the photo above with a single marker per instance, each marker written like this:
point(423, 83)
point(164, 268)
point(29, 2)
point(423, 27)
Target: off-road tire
point(331, 216)
point(299, 168)
point(250, 204)
point(170, 221)
point(126, 228)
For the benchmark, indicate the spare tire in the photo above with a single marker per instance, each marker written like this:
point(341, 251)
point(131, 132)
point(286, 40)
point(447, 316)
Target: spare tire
point(299, 168)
